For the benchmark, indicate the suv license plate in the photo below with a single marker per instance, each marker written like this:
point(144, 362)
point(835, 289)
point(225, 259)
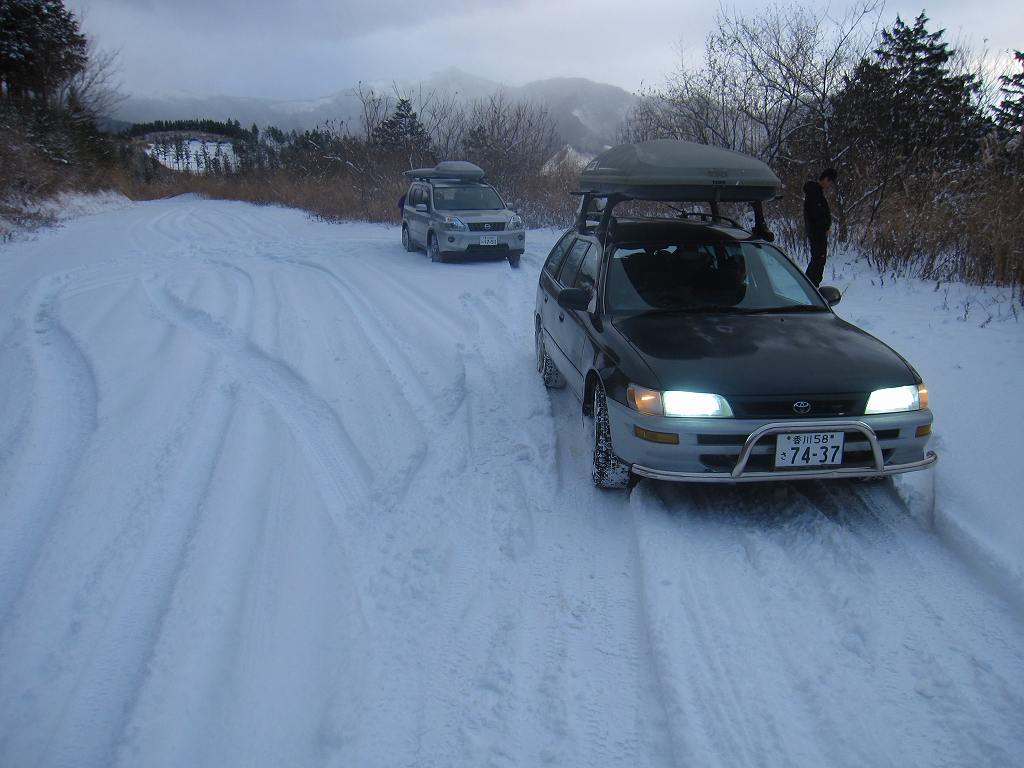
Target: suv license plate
point(809, 449)
point(488, 239)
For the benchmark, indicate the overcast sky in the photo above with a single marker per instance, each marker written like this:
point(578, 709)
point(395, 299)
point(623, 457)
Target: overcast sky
point(303, 49)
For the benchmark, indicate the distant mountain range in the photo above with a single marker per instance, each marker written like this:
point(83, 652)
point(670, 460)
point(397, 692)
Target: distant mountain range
point(587, 114)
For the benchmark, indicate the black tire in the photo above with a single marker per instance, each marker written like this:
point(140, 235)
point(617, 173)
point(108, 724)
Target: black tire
point(407, 242)
point(434, 248)
point(513, 259)
point(608, 470)
point(553, 379)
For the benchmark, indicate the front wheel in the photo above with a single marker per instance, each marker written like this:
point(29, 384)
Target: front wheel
point(434, 248)
point(513, 259)
point(607, 469)
point(407, 239)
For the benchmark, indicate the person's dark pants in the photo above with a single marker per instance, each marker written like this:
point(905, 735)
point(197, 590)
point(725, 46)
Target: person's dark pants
point(816, 269)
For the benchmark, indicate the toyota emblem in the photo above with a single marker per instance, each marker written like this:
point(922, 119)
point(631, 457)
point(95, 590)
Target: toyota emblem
point(802, 406)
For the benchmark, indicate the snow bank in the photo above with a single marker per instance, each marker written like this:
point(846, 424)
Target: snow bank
point(967, 342)
point(60, 208)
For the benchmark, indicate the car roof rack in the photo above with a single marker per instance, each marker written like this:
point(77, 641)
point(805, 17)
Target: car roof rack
point(458, 171)
point(672, 171)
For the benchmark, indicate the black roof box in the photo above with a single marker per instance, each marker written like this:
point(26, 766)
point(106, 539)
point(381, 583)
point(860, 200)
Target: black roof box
point(449, 170)
point(678, 171)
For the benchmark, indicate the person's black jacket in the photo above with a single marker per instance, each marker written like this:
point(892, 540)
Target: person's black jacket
point(817, 214)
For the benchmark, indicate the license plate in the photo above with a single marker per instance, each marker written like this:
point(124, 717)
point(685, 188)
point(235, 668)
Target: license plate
point(809, 449)
point(488, 239)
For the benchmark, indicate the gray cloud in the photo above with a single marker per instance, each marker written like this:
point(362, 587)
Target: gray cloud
point(310, 48)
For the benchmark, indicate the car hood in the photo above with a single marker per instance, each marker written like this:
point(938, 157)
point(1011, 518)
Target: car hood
point(784, 354)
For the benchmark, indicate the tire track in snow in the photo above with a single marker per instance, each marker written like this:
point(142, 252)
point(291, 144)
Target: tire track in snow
point(827, 587)
point(95, 715)
point(339, 466)
point(965, 693)
point(440, 316)
point(421, 582)
point(516, 660)
point(653, 639)
point(16, 409)
point(387, 343)
point(426, 409)
point(702, 605)
point(63, 417)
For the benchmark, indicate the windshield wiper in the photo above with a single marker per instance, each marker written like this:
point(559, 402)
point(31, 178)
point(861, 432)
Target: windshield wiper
point(787, 309)
point(708, 309)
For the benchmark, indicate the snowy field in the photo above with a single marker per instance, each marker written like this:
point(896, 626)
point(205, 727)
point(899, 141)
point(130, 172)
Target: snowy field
point(274, 492)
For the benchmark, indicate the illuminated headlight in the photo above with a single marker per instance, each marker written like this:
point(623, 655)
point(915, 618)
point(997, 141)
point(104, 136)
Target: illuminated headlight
point(913, 397)
point(455, 223)
point(678, 403)
point(516, 222)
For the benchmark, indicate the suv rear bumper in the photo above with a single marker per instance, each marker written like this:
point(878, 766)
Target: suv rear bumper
point(743, 450)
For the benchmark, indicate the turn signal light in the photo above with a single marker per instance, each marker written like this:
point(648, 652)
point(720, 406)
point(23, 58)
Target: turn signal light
point(667, 438)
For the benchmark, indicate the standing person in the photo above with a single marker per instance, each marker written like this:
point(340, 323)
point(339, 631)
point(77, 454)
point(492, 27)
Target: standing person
point(818, 221)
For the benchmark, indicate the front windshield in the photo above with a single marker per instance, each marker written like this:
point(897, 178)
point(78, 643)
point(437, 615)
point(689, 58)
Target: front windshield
point(466, 199)
point(706, 277)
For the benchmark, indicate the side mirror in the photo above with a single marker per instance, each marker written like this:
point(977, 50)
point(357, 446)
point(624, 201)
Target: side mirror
point(830, 294)
point(421, 207)
point(574, 298)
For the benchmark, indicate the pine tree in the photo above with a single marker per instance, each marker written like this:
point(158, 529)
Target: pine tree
point(403, 132)
point(908, 98)
point(41, 48)
point(1009, 114)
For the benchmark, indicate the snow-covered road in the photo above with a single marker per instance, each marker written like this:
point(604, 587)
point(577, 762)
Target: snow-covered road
point(275, 492)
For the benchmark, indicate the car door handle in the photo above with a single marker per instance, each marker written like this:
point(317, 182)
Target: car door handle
point(561, 317)
point(545, 298)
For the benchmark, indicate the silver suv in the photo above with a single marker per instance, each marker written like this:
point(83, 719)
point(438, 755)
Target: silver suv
point(450, 211)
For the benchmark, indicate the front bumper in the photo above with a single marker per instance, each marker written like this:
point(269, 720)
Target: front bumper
point(743, 450)
point(471, 243)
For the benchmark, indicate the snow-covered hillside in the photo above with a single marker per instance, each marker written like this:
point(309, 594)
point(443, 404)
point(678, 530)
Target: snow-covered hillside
point(194, 155)
point(276, 492)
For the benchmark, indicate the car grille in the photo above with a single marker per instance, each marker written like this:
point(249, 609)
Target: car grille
point(783, 407)
point(849, 437)
point(494, 226)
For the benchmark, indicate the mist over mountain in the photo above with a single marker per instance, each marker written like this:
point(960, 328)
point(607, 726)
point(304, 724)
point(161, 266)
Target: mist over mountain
point(587, 114)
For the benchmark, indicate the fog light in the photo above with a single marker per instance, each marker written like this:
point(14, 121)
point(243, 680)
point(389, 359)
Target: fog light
point(923, 431)
point(451, 239)
point(521, 237)
point(668, 438)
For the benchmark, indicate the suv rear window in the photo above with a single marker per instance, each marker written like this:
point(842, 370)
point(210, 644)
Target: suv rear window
point(466, 199)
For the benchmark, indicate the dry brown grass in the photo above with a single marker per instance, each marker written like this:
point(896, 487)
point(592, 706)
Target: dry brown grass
point(965, 229)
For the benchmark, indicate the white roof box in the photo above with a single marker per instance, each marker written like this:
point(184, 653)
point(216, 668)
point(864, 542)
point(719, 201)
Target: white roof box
point(678, 171)
point(453, 170)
